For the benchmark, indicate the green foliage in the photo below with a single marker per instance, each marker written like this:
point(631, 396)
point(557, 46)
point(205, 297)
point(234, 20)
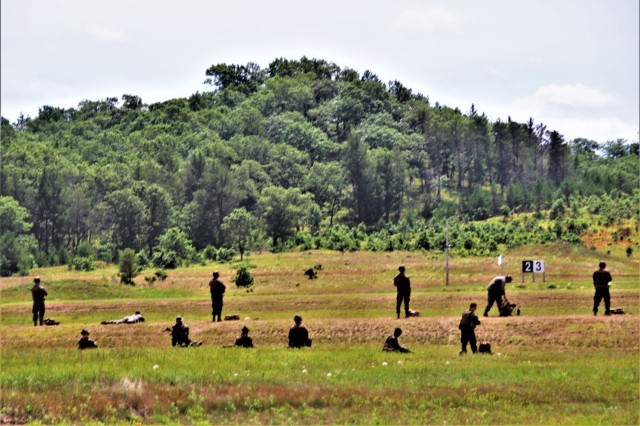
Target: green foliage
point(243, 277)
point(173, 250)
point(291, 153)
point(239, 229)
point(143, 259)
point(128, 266)
point(16, 244)
point(557, 209)
point(225, 255)
point(282, 211)
point(84, 258)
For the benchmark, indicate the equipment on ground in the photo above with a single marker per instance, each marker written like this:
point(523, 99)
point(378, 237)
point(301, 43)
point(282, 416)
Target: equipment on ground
point(485, 348)
point(507, 309)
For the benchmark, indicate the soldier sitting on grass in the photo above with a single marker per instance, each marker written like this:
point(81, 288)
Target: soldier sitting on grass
point(298, 334)
point(180, 334)
point(244, 340)
point(392, 344)
point(85, 342)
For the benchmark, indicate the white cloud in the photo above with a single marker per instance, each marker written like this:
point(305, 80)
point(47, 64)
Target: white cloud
point(600, 129)
point(34, 88)
point(427, 19)
point(574, 97)
point(105, 33)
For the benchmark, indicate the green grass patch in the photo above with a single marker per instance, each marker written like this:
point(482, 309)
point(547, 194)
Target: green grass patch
point(347, 384)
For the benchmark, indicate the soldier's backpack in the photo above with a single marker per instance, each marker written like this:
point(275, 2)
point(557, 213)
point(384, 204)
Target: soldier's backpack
point(464, 321)
point(234, 317)
point(50, 321)
point(484, 348)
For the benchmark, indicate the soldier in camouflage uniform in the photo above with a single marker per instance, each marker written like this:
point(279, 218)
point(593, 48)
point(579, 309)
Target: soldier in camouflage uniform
point(403, 287)
point(298, 334)
point(496, 292)
point(601, 280)
point(38, 293)
point(217, 294)
point(392, 344)
point(180, 334)
point(85, 342)
point(467, 326)
point(244, 340)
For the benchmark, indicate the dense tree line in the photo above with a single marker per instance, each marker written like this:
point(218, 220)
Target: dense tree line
point(301, 153)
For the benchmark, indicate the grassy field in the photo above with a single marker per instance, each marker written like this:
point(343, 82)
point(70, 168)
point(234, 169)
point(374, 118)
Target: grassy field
point(555, 364)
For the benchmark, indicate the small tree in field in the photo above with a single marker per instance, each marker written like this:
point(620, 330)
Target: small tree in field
point(174, 249)
point(239, 228)
point(243, 277)
point(129, 267)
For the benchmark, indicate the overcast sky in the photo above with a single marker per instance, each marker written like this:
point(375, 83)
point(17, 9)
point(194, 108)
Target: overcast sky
point(571, 64)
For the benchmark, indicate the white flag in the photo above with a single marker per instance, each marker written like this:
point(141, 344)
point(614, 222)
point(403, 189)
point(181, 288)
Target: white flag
point(500, 260)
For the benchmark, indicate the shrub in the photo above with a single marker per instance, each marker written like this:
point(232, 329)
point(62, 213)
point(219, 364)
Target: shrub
point(174, 249)
point(143, 259)
point(210, 252)
point(82, 263)
point(128, 266)
point(105, 252)
point(166, 259)
point(225, 254)
point(162, 275)
point(557, 209)
point(15, 255)
point(243, 277)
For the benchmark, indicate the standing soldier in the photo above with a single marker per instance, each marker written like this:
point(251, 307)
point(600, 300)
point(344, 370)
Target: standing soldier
point(38, 293)
point(403, 286)
point(601, 282)
point(217, 293)
point(467, 326)
point(496, 291)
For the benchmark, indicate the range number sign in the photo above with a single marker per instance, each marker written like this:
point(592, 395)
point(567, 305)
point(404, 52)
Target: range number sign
point(533, 267)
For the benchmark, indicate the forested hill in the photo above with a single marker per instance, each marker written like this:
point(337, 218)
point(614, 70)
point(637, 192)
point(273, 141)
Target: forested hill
point(300, 154)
